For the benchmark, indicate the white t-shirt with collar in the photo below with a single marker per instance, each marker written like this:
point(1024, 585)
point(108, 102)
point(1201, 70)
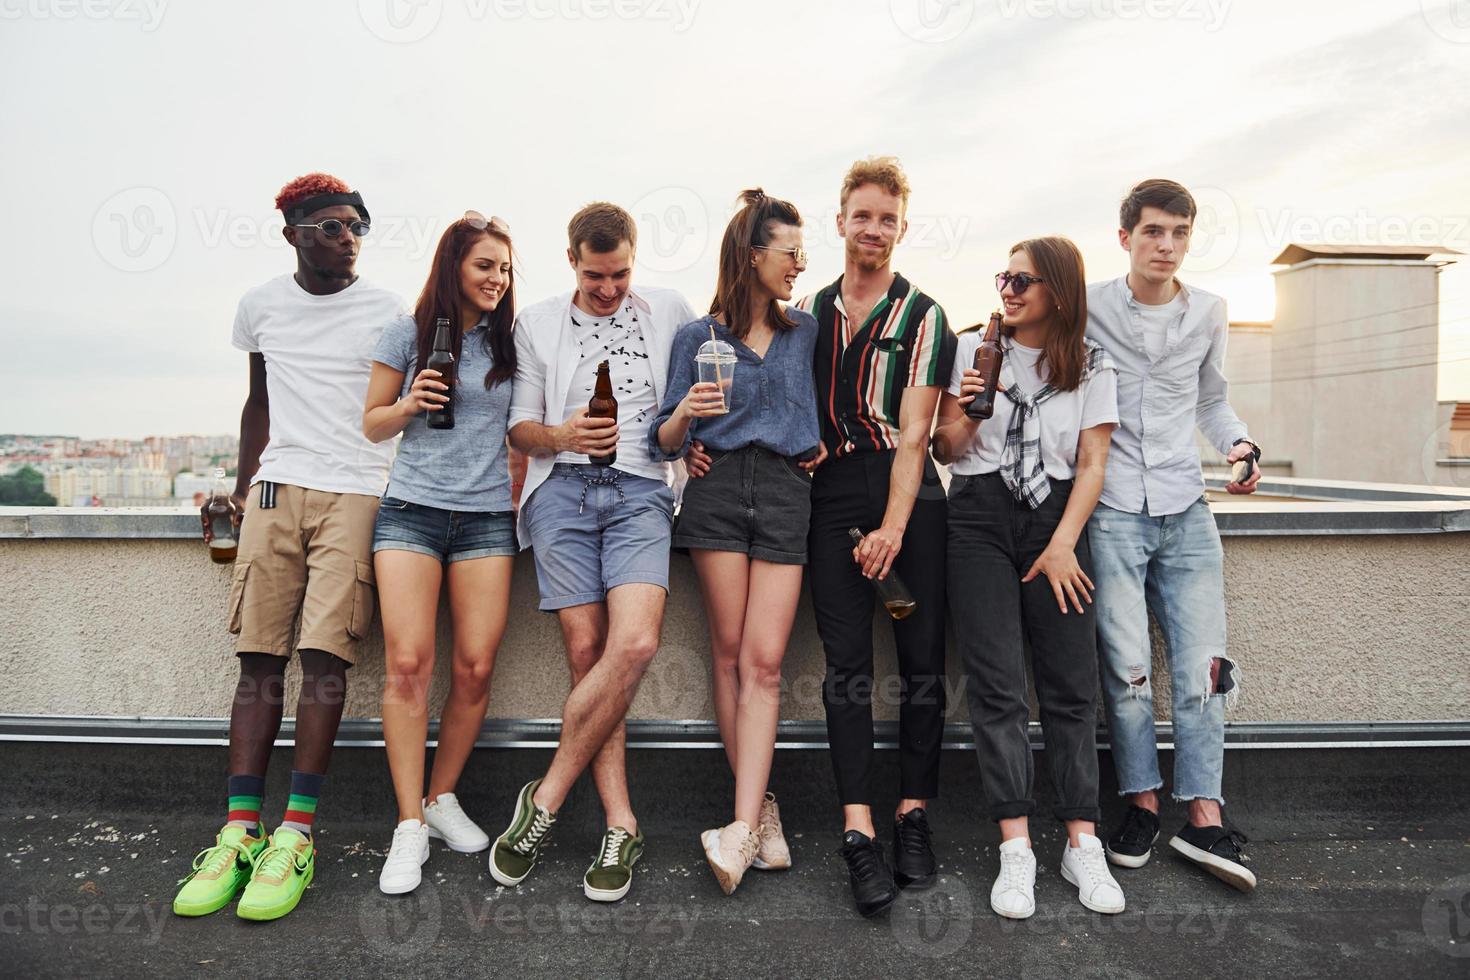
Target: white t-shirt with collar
point(318, 357)
point(1063, 416)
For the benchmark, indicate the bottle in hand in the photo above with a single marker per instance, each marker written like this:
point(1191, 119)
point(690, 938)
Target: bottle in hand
point(442, 360)
point(603, 406)
point(891, 591)
point(221, 514)
point(988, 358)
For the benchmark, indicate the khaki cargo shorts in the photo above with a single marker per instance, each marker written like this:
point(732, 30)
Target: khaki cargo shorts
point(309, 556)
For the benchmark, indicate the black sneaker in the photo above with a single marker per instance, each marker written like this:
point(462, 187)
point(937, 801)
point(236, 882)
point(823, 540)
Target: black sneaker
point(1217, 850)
point(872, 883)
point(1132, 844)
point(913, 857)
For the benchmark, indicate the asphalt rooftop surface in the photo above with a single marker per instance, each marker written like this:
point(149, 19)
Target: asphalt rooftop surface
point(1363, 858)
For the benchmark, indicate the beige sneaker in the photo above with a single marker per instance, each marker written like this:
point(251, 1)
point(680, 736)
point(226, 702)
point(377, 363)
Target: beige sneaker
point(773, 854)
point(730, 850)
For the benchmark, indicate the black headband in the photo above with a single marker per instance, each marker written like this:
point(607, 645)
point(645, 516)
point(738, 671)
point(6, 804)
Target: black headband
point(301, 209)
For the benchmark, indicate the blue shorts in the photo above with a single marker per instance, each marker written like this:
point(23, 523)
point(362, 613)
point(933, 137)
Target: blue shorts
point(448, 535)
point(594, 528)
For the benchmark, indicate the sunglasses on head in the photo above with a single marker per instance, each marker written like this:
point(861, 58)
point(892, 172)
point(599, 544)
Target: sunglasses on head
point(1018, 281)
point(332, 227)
point(495, 222)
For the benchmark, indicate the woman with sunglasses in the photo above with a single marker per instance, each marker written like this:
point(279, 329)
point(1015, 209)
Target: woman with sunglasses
point(448, 512)
point(1024, 483)
point(745, 521)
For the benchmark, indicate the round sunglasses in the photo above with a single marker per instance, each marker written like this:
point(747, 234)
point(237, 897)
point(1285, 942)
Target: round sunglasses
point(1018, 281)
point(332, 227)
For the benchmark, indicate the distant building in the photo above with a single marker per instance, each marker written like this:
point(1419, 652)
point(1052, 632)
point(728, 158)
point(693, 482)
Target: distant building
point(1341, 385)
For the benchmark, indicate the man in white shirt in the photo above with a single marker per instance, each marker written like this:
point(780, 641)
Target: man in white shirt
point(307, 492)
point(600, 533)
point(1154, 543)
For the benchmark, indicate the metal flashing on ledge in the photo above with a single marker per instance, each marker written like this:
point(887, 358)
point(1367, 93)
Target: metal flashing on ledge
point(702, 734)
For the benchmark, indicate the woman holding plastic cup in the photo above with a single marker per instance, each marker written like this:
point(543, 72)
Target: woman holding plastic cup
point(740, 380)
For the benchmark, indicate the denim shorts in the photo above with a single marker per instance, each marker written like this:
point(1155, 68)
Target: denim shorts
point(594, 528)
point(448, 535)
point(753, 501)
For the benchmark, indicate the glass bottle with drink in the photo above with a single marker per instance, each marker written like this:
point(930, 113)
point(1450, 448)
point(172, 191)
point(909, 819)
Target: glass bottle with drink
point(603, 406)
point(442, 360)
point(988, 359)
point(891, 591)
point(219, 511)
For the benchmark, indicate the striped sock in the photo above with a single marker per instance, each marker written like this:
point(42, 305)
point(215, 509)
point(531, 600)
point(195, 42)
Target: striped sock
point(244, 794)
point(301, 807)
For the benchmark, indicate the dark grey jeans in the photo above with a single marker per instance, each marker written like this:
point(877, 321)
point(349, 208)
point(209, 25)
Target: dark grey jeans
point(993, 540)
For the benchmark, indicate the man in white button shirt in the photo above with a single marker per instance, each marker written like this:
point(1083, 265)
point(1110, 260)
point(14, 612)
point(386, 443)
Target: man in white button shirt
point(1154, 542)
point(600, 533)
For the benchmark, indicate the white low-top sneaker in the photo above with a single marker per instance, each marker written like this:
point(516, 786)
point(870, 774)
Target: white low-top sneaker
point(1086, 866)
point(1014, 893)
point(402, 872)
point(447, 822)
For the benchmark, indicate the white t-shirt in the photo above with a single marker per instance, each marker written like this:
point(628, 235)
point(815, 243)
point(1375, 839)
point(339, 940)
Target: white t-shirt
point(318, 357)
point(1063, 416)
point(1156, 321)
point(617, 339)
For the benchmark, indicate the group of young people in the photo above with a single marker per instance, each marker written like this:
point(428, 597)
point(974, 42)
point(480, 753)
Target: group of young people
point(1073, 511)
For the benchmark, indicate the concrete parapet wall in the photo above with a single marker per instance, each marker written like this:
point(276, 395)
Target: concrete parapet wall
point(128, 619)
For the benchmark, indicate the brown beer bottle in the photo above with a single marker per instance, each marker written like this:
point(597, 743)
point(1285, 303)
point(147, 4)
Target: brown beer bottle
point(891, 590)
point(603, 406)
point(220, 511)
point(442, 360)
point(988, 359)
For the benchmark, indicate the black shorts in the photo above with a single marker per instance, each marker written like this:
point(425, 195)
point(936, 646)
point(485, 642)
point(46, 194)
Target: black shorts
point(752, 501)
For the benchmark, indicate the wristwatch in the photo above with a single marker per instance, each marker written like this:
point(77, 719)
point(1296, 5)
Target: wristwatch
point(1255, 446)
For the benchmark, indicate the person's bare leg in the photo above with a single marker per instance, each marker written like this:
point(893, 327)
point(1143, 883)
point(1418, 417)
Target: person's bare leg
point(724, 583)
point(1013, 827)
point(479, 603)
point(859, 817)
point(599, 702)
point(584, 633)
point(408, 594)
point(319, 709)
point(255, 715)
point(770, 610)
point(1075, 827)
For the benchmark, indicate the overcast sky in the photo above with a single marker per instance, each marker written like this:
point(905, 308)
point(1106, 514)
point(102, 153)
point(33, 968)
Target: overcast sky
point(144, 141)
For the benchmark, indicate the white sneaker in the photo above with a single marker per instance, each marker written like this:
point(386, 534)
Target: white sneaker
point(1014, 893)
point(448, 823)
point(402, 872)
point(1086, 867)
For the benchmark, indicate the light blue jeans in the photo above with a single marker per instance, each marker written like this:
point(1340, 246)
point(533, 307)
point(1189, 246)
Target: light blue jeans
point(1173, 567)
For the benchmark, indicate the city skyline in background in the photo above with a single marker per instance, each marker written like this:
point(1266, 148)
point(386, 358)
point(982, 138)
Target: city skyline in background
point(1317, 123)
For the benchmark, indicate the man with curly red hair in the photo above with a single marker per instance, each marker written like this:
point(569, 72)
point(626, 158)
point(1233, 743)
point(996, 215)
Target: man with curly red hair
point(306, 496)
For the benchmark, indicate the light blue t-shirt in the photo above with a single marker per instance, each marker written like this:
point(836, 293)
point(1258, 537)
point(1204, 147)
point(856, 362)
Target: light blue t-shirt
point(465, 468)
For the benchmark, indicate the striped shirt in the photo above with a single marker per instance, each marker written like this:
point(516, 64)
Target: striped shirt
point(905, 342)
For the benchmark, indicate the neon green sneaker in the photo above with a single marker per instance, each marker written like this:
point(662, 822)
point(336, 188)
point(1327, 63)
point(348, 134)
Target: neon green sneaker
point(516, 850)
point(282, 873)
point(611, 873)
point(219, 872)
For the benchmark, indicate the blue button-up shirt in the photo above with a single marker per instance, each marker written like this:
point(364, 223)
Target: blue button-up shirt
point(1153, 464)
point(773, 399)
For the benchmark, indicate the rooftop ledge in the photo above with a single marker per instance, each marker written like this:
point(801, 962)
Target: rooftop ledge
point(1281, 506)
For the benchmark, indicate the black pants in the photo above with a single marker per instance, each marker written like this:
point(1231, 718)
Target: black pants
point(853, 492)
point(993, 540)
